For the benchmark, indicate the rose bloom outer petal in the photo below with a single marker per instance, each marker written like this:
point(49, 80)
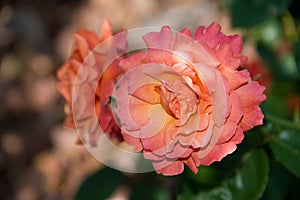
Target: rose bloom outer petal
point(123, 100)
point(179, 151)
point(202, 138)
point(221, 45)
point(227, 58)
point(221, 150)
point(218, 152)
point(216, 132)
point(168, 168)
point(160, 40)
point(235, 78)
point(82, 46)
point(186, 32)
point(90, 37)
point(132, 138)
point(106, 30)
point(234, 118)
point(200, 53)
point(251, 95)
point(211, 35)
point(191, 164)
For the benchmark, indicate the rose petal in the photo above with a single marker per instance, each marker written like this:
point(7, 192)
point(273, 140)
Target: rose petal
point(159, 119)
point(202, 138)
point(218, 152)
point(161, 72)
point(151, 96)
point(106, 31)
point(215, 84)
point(235, 78)
point(192, 165)
point(251, 95)
point(232, 122)
point(130, 110)
point(132, 138)
point(160, 40)
point(179, 151)
point(168, 168)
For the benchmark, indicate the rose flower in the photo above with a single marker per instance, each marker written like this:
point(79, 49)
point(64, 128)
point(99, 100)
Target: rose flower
point(99, 71)
point(186, 100)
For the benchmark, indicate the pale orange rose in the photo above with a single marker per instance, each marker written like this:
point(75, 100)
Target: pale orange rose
point(85, 43)
point(186, 100)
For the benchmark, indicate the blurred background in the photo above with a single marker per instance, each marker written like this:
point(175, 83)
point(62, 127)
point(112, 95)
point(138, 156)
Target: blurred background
point(38, 157)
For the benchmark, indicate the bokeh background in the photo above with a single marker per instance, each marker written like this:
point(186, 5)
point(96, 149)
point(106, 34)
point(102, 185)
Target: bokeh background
point(39, 158)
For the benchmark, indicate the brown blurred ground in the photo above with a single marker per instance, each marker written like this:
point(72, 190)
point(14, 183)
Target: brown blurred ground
point(38, 157)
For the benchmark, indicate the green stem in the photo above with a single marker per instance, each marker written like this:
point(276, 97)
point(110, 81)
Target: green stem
point(283, 122)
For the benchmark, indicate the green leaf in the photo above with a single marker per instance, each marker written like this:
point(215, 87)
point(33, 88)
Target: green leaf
point(286, 148)
point(248, 13)
point(279, 182)
point(100, 185)
point(149, 191)
point(186, 193)
point(207, 176)
point(248, 183)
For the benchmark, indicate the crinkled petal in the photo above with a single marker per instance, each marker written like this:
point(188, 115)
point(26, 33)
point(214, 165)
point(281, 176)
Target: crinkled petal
point(191, 164)
point(251, 95)
point(218, 152)
point(233, 120)
point(168, 168)
point(214, 82)
point(160, 40)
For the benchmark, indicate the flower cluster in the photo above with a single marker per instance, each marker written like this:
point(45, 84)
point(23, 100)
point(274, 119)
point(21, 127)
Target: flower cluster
point(185, 100)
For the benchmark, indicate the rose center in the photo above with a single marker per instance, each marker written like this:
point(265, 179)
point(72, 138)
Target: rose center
point(178, 100)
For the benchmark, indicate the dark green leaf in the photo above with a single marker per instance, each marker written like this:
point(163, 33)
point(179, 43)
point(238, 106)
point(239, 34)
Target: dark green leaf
point(279, 182)
point(186, 193)
point(248, 13)
point(148, 191)
point(249, 181)
point(206, 176)
point(286, 148)
point(100, 185)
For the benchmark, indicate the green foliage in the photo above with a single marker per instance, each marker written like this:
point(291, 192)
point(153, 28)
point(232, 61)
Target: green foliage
point(281, 183)
point(286, 148)
point(149, 191)
point(248, 182)
point(101, 184)
point(248, 13)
